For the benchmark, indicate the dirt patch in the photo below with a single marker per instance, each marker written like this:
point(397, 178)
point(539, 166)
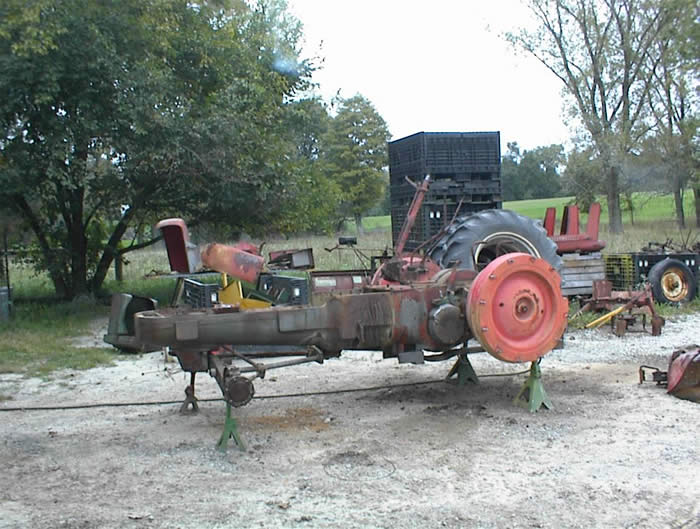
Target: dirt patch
point(611, 453)
point(292, 419)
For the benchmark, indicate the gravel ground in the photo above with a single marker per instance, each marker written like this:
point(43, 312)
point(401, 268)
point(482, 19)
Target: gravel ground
point(611, 453)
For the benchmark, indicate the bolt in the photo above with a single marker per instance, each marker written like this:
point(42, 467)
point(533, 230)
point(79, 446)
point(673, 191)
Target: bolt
point(511, 260)
point(492, 276)
point(482, 302)
point(484, 329)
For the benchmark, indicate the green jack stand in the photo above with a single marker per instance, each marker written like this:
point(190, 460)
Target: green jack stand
point(230, 430)
point(532, 395)
point(464, 371)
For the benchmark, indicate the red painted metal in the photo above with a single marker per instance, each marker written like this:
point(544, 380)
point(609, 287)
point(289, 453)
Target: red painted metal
point(248, 247)
point(515, 308)
point(413, 210)
point(571, 240)
point(593, 224)
point(569, 221)
point(233, 261)
point(550, 220)
point(684, 373)
point(177, 241)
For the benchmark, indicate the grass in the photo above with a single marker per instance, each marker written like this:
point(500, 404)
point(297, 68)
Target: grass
point(653, 213)
point(38, 339)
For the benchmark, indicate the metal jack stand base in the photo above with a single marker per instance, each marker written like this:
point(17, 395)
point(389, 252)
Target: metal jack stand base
point(464, 371)
point(532, 395)
point(190, 399)
point(230, 430)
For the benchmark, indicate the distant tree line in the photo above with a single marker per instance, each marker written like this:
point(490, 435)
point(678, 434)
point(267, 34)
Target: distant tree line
point(532, 174)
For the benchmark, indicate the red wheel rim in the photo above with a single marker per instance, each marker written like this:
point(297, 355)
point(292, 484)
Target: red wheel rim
point(515, 308)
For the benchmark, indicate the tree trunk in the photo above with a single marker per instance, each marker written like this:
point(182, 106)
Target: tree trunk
point(614, 209)
point(696, 196)
point(111, 251)
point(678, 198)
point(77, 246)
point(358, 224)
point(56, 267)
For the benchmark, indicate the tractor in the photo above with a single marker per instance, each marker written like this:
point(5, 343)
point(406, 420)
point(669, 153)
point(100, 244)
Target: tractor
point(491, 278)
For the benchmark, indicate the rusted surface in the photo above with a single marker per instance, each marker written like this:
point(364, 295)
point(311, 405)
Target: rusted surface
point(411, 215)
point(634, 304)
point(192, 362)
point(684, 373)
point(602, 288)
point(325, 285)
point(371, 320)
point(515, 308)
point(233, 261)
point(405, 270)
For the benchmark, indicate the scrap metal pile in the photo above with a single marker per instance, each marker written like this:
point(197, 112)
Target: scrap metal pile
point(491, 278)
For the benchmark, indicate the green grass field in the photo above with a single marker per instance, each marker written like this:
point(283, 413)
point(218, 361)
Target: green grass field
point(648, 208)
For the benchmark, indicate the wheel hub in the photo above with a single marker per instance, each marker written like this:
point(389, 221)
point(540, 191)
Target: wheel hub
point(501, 243)
point(674, 286)
point(515, 308)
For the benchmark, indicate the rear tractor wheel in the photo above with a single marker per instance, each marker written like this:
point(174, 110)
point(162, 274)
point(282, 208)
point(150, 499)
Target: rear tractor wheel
point(474, 241)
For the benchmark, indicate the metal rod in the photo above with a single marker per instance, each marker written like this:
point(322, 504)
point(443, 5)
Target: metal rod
point(412, 214)
point(285, 363)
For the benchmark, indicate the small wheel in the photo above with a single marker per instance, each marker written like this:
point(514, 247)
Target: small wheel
point(478, 239)
point(672, 281)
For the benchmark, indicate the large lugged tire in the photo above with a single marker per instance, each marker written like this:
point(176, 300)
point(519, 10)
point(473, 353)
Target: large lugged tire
point(474, 241)
point(672, 281)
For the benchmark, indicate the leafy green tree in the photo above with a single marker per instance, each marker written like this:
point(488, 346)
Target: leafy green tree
point(355, 157)
point(583, 177)
point(533, 173)
point(173, 108)
point(674, 106)
point(513, 186)
point(311, 197)
point(604, 54)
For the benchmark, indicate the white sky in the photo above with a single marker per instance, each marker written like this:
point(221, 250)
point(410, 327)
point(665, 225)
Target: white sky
point(434, 65)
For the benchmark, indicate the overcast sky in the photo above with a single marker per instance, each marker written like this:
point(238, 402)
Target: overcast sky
point(434, 65)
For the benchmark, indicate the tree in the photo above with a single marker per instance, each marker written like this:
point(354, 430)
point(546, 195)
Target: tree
point(355, 156)
point(673, 105)
point(173, 108)
point(533, 173)
point(603, 52)
point(311, 197)
point(583, 176)
point(513, 188)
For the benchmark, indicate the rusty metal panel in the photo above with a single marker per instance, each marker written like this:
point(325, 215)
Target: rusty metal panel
point(300, 319)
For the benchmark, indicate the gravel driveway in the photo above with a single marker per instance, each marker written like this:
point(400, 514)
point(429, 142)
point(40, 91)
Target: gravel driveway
point(611, 453)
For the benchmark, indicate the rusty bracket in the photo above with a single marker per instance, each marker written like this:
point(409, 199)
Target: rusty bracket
point(658, 376)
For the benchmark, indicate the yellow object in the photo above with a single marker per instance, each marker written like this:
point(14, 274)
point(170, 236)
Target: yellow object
point(607, 317)
point(232, 294)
